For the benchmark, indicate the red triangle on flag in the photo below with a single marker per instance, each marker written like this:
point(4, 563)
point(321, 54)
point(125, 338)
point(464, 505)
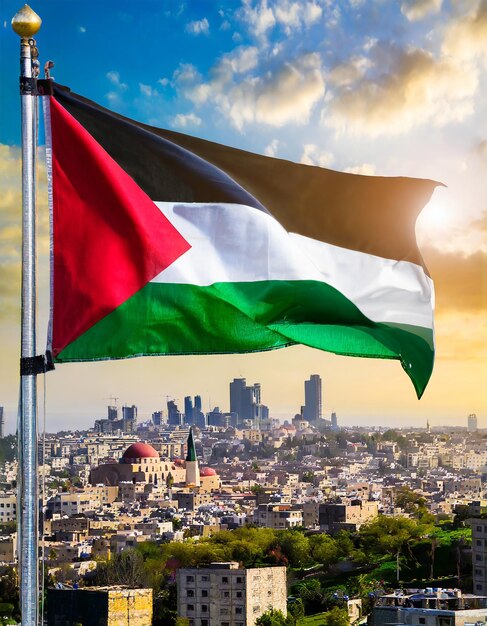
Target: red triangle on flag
point(109, 238)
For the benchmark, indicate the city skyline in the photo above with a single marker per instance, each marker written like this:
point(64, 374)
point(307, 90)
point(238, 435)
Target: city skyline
point(419, 68)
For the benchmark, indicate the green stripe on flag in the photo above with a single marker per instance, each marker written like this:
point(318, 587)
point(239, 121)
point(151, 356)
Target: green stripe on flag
point(247, 317)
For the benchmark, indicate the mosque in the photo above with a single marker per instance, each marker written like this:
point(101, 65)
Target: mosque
point(141, 463)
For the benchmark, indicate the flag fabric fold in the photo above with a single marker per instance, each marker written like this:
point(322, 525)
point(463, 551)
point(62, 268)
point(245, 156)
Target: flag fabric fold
point(164, 243)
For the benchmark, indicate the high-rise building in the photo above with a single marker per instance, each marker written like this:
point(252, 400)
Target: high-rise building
point(129, 413)
point(188, 410)
point(157, 418)
point(199, 418)
point(1, 422)
point(173, 414)
point(312, 398)
point(472, 423)
point(112, 413)
point(334, 421)
point(245, 401)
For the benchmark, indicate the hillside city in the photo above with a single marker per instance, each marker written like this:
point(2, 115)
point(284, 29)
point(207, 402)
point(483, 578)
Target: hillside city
point(236, 518)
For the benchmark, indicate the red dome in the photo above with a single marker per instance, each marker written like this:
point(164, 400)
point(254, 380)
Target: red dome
point(140, 451)
point(207, 471)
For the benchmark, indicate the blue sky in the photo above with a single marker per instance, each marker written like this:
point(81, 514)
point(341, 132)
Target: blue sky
point(368, 86)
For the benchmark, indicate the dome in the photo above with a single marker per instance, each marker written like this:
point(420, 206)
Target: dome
point(140, 451)
point(207, 471)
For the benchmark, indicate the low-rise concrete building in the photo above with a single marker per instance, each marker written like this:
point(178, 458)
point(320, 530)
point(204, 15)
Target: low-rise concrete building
point(99, 606)
point(428, 607)
point(224, 594)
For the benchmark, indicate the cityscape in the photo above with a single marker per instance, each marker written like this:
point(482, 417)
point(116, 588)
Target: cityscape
point(231, 517)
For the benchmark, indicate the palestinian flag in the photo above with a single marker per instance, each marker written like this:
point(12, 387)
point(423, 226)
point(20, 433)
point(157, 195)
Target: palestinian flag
point(164, 243)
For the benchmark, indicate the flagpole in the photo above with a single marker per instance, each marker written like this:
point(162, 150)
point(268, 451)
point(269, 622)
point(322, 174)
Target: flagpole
point(26, 24)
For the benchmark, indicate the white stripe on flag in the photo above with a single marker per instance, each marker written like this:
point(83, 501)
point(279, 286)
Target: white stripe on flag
point(236, 243)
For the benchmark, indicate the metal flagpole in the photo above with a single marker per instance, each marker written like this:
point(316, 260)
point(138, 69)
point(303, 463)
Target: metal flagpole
point(26, 23)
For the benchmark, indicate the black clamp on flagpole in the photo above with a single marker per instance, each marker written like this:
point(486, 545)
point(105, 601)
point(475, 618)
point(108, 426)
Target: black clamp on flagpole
point(34, 365)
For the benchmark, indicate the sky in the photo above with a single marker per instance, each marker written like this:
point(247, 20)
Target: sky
point(366, 86)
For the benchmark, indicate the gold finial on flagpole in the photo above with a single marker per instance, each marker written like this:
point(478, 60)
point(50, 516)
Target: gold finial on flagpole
point(26, 22)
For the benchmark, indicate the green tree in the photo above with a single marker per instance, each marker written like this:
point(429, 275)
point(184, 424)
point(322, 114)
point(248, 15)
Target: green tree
point(295, 610)
point(324, 549)
point(336, 617)
point(296, 547)
point(181, 621)
point(273, 618)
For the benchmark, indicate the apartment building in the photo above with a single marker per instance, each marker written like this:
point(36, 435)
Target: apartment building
point(223, 594)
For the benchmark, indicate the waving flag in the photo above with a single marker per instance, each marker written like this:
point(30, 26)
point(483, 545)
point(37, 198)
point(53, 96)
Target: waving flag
point(164, 243)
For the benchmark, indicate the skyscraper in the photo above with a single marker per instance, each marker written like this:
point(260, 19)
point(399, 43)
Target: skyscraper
point(157, 418)
point(245, 400)
point(334, 421)
point(112, 413)
point(199, 418)
point(173, 414)
point(1, 422)
point(188, 410)
point(472, 422)
point(312, 398)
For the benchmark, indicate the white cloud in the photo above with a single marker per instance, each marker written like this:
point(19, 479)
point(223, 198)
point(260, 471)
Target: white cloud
point(287, 95)
point(416, 10)
point(259, 18)
point(312, 155)
point(163, 81)
point(291, 15)
point(114, 77)
point(466, 37)
point(146, 90)
point(311, 13)
point(271, 149)
point(81, 29)
point(400, 89)
point(182, 121)
point(198, 27)
point(366, 169)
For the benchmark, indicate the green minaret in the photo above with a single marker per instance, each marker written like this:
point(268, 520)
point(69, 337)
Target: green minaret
point(191, 455)
point(192, 467)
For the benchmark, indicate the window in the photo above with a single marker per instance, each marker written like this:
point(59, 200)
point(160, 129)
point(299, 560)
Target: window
point(225, 580)
point(225, 623)
point(478, 572)
point(478, 587)
point(478, 557)
point(204, 579)
point(479, 528)
point(479, 542)
point(204, 622)
point(225, 594)
point(204, 593)
point(190, 607)
point(238, 610)
point(238, 594)
point(239, 580)
point(190, 579)
point(204, 608)
point(422, 620)
point(190, 593)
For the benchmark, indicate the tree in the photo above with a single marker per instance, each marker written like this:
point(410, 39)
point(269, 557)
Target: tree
point(336, 617)
point(391, 535)
point(181, 621)
point(273, 618)
point(324, 549)
point(295, 610)
point(126, 568)
point(296, 547)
